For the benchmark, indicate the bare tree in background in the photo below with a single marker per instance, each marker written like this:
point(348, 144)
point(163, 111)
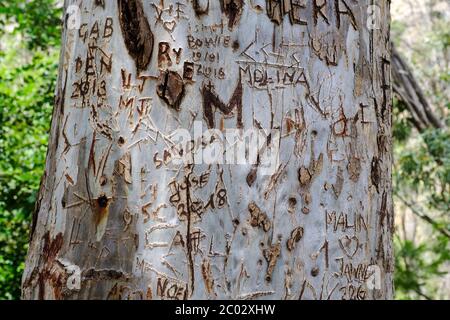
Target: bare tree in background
point(409, 92)
point(419, 87)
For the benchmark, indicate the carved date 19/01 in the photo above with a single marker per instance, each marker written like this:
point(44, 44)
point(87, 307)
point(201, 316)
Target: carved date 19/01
point(230, 309)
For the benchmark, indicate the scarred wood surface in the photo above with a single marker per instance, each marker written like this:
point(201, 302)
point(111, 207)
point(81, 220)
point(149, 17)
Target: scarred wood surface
point(119, 218)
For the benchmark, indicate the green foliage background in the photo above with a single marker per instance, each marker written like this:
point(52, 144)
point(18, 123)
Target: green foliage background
point(29, 48)
point(30, 36)
point(422, 160)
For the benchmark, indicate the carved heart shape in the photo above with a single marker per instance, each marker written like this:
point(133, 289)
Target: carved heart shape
point(349, 245)
point(170, 25)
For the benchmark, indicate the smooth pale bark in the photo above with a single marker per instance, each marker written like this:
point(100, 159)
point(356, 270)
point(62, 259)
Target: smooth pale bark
point(116, 217)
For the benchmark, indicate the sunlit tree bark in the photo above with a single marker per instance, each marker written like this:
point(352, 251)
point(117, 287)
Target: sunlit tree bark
point(119, 217)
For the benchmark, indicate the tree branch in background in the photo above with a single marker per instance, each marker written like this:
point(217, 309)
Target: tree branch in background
point(411, 95)
point(423, 216)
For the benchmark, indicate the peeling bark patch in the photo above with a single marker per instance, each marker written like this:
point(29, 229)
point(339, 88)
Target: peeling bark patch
point(136, 32)
point(271, 255)
point(124, 168)
point(52, 247)
point(384, 214)
point(100, 3)
point(304, 177)
point(103, 181)
point(251, 177)
point(171, 89)
point(233, 10)
point(258, 218)
point(164, 59)
point(292, 204)
point(376, 173)
point(51, 276)
point(199, 11)
point(354, 169)
point(296, 236)
point(211, 99)
point(208, 277)
point(49, 271)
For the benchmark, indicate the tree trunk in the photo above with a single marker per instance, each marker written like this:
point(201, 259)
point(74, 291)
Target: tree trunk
point(132, 207)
